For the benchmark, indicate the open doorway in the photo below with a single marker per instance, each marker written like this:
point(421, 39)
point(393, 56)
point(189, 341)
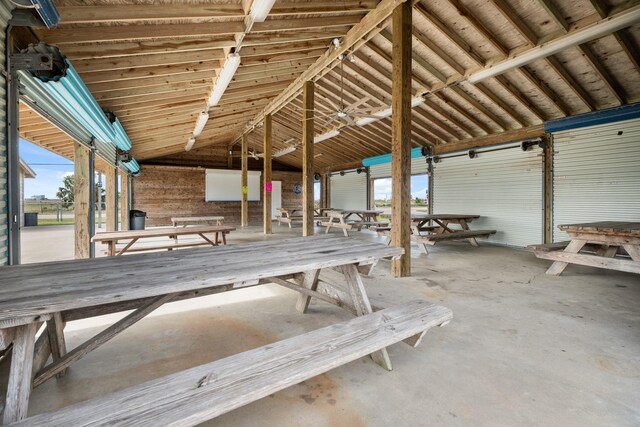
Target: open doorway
point(382, 193)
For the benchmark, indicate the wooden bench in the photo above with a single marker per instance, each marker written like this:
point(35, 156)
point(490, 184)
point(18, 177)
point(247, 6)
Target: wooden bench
point(457, 235)
point(204, 392)
point(288, 217)
point(336, 220)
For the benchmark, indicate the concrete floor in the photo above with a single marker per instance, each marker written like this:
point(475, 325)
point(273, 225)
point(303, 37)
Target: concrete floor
point(523, 348)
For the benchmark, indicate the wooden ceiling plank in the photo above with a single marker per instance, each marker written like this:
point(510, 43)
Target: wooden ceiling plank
point(145, 72)
point(141, 12)
point(478, 106)
point(555, 14)
point(97, 88)
point(154, 60)
point(418, 60)
point(469, 16)
point(505, 9)
point(449, 116)
point(572, 83)
point(545, 90)
point(520, 97)
point(612, 84)
point(629, 46)
point(438, 51)
point(453, 37)
point(600, 7)
point(509, 111)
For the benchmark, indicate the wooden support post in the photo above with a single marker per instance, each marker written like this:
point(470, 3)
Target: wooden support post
point(245, 186)
point(266, 203)
point(19, 384)
point(82, 204)
point(401, 138)
point(111, 195)
point(548, 190)
point(307, 158)
point(229, 158)
point(124, 201)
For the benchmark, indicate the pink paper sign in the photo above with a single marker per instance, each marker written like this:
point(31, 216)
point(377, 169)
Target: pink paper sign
point(268, 187)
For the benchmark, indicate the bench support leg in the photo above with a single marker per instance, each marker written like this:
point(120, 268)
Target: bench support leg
point(19, 385)
point(573, 247)
point(55, 329)
point(363, 306)
point(309, 281)
point(633, 251)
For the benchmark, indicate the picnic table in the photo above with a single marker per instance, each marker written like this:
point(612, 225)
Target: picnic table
point(343, 220)
point(289, 216)
point(111, 238)
point(424, 234)
point(194, 220)
point(614, 245)
point(59, 292)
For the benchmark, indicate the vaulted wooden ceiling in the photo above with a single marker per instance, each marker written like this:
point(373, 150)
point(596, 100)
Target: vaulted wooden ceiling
point(154, 67)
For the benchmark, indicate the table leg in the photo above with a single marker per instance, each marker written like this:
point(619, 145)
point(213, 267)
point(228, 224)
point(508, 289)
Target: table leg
point(465, 226)
point(573, 248)
point(55, 329)
point(344, 229)
point(633, 251)
point(309, 281)
point(363, 306)
point(19, 385)
point(123, 250)
point(111, 248)
point(224, 238)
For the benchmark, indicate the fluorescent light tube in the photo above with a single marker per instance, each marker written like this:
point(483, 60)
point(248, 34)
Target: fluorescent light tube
point(202, 120)
point(190, 143)
point(387, 112)
point(224, 78)
point(260, 9)
point(574, 38)
point(326, 135)
point(417, 100)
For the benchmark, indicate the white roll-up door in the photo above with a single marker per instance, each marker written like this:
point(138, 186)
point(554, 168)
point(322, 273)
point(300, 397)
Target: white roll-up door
point(596, 174)
point(349, 191)
point(418, 167)
point(504, 187)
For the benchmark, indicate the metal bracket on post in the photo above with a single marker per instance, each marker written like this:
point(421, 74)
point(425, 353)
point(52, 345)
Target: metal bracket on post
point(31, 61)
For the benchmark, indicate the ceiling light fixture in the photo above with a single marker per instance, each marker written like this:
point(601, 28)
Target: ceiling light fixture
point(387, 112)
point(260, 9)
point(190, 143)
point(326, 135)
point(202, 120)
point(224, 78)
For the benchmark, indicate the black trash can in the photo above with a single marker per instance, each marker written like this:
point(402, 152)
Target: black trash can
point(136, 219)
point(30, 219)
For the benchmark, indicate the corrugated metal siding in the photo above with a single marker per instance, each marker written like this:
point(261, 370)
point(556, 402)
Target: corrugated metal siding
point(596, 175)
point(349, 191)
point(504, 187)
point(418, 167)
point(5, 16)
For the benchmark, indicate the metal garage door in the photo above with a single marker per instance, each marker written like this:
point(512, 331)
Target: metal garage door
point(418, 167)
point(349, 191)
point(596, 174)
point(505, 187)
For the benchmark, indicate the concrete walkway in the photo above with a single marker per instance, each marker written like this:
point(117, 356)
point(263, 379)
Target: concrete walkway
point(523, 349)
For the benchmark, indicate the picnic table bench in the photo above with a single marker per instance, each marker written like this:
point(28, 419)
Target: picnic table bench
point(194, 220)
point(289, 216)
point(111, 238)
point(58, 292)
point(604, 244)
point(424, 234)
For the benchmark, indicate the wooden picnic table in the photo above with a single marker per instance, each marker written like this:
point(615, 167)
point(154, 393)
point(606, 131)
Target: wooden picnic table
point(194, 220)
point(424, 234)
point(614, 245)
point(58, 292)
point(111, 238)
point(341, 219)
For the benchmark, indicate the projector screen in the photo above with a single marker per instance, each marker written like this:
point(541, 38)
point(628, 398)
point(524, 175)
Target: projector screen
point(223, 185)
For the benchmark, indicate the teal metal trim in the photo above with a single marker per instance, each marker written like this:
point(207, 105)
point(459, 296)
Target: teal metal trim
point(386, 158)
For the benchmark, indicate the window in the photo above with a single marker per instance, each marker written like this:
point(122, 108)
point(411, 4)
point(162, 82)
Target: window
point(382, 192)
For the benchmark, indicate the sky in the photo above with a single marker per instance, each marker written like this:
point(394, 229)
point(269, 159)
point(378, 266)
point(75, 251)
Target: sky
point(50, 169)
point(419, 186)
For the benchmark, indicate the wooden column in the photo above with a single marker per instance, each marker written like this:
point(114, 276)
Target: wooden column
point(229, 158)
point(81, 198)
point(244, 205)
point(401, 138)
point(307, 158)
point(124, 201)
point(326, 190)
point(266, 203)
point(111, 196)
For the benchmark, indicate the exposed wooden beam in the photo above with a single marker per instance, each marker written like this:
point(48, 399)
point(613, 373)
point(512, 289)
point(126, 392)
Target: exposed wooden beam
point(546, 90)
point(629, 46)
point(606, 77)
point(401, 138)
point(111, 196)
point(520, 97)
point(555, 14)
point(572, 83)
point(469, 16)
point(267, 129)
point(497, 138)
point(307, 158)
point(506, 10)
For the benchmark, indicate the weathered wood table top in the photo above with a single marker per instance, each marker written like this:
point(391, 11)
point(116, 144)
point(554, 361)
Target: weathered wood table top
point(44, 288)
point(614, 228)
point(196, 219)
point(159, 232)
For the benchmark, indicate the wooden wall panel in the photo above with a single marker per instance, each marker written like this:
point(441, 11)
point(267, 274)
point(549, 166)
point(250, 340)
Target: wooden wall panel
point(166, 191)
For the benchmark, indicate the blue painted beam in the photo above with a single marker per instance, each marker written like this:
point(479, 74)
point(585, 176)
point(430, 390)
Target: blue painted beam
point(386, 158)
point(610, 115)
